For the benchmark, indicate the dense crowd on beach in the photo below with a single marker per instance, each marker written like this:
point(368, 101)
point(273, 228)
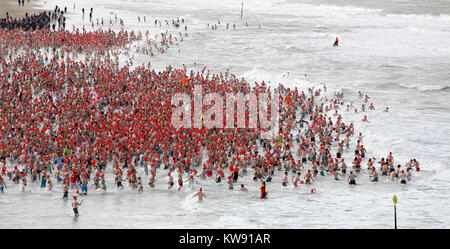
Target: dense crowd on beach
point(43, 20)
point(69, 122)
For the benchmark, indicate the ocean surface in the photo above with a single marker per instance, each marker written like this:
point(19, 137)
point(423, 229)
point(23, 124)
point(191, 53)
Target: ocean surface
point(396, 52)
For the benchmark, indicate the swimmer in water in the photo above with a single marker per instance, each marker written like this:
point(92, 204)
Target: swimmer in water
point(24, 182)
point(308, 177)
point(263, 190)
point(190, 181)
point(2, 184)
point(392, 175)
point(50, 184)
point(230, 183)
point(103, 182)
point(295, 179)
point(180, 179)
point(408, 175)
point(284, 180)
point(84, 183)
point(140, 186)
point(65, 189)
point(343, 167)
point(374, 175)
point(351, 178)
point(151, 181)
point(243, 188)
point(397, 171)
point(403, 177)
point(170, 182)
point(336, 42)
point(200, 195)
point(335, 174)
point(409, 164)
point(218, 176)
point(119, 181)
point(416, 164)
point(146, 169)
point(75, 205)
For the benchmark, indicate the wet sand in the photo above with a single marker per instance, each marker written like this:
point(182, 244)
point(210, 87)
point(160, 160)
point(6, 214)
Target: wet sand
point(14, 10)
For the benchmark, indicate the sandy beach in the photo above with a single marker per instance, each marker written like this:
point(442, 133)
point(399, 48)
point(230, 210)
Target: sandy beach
point(13, 9)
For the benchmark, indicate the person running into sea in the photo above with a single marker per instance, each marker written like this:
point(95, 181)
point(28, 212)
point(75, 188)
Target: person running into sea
point(308, 177)
point(170, 182)
point(151, 181)
point(200, 195)
point(180, 179)
point(263, 190)
point(295, 179)
point(284, 180)
point(103, 182)
point(65, 189)
point(230, 183)
point(24, 182)
point(374, 175)
point(408, 175)
point(351, 178)
point(416, 164)
point(75, 205)
point(2, 184)
point(403, 177)
point(140, 186)
point(336, 174)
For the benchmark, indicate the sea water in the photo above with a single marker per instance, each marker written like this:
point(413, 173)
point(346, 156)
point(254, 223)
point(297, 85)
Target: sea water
point(397, 52)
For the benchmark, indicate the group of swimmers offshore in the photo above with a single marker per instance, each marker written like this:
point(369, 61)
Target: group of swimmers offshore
point(73, 123)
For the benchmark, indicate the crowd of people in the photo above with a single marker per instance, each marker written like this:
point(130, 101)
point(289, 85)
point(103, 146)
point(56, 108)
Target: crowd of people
point(29, 22)
point(154, 45)
point(77, 121)
point(98, 41)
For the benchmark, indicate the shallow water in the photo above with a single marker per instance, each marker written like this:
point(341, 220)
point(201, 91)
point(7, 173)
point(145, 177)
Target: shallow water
point(395, 52)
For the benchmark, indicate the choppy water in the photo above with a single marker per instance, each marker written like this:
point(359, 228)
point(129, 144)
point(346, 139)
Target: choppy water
point(398, 52)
